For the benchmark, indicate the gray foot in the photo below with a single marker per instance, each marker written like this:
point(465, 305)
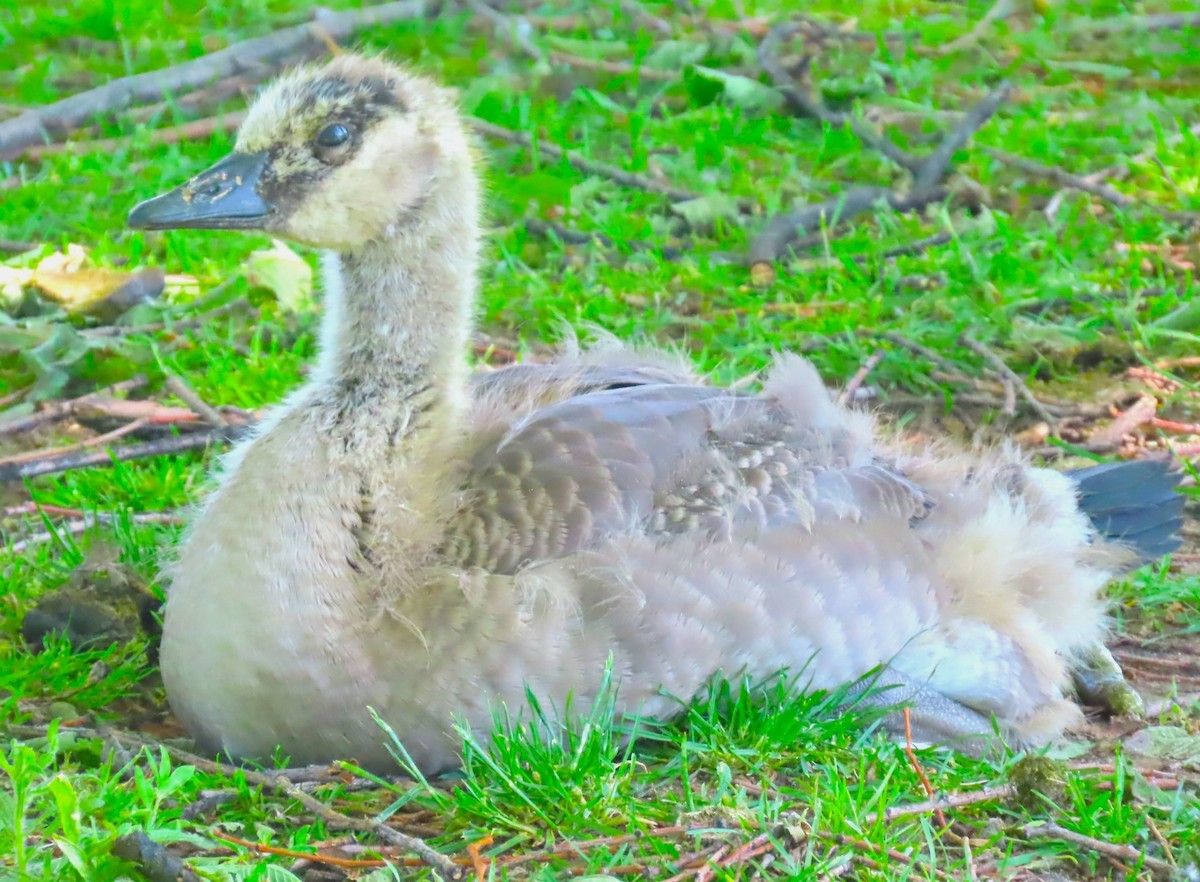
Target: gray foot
point(935, 719)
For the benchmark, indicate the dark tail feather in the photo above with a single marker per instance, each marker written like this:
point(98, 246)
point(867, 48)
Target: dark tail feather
point(1134, 503)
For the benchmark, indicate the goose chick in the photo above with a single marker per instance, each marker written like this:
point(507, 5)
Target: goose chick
point(394, 538)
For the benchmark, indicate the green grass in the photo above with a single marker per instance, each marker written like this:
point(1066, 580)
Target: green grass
point(1070, 302)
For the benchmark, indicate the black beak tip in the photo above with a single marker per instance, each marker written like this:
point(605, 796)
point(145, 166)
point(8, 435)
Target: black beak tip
point(143, 216)
point(223, 198)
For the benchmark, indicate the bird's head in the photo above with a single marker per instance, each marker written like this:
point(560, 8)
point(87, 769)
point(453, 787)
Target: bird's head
point(335, 156)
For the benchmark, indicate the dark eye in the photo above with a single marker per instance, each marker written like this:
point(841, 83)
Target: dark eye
point(333, 135)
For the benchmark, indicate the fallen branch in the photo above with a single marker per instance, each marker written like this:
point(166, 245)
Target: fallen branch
point(172, 325)
point(937, 166)
point(514, 29)
point(945, 803)
point(171, 444)
point(1007, 373)
point(782, 231)
point(190, 131)
point(911, 753)
point(314, 857)
point(999, 11)
point(192, 399)
point(15, 246)
point(582, 163)
point(1163, 21)
point(59, 119)
point(239, 85)
point(443, 865)
point(97, 441)
point(287, 783)
point(1124, 853)
point(616, 68)
point(580, 237)
point(1062, 177)
point(63, 409)
point(808, 104)
point(851, 390)
point(88, 521)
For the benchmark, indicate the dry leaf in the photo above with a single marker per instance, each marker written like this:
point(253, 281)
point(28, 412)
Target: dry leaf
point(104, 293)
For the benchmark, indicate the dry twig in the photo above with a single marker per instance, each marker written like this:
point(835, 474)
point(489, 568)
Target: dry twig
point(1111, 850)
point(190, 131)
point(1163, 21)
point(1112, 436)
point(847, 394)
point(999, 11)
point(911, 753)
point(56, 120)
point(171, 444)
point(582, 163)
point(781, 232)
point(1007, 373)
point(1061, 176)
point(803, 102)
point(63, 409)
point(86, 522)
point(192, 399)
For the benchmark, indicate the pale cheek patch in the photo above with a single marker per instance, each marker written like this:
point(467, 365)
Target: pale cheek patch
point(369, 196)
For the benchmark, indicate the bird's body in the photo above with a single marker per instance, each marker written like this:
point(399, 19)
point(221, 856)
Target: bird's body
point(401, 537)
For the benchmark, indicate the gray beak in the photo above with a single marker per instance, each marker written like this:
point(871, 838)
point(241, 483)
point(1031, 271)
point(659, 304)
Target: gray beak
point(223, 198)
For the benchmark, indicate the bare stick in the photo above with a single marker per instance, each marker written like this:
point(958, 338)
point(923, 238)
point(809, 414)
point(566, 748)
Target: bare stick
point(515, 29)
point(1163, 21)
point(782, 231)
point(860, 376)
point(282, 781)
point(1062, 177)
point(97, 441)
point(946, 803)
point(1124, 853)
point(937, 166)
point(911, 753)
point(81, 525)
point(210, 96)
point(616, 68)
point(435, 859)
point(63, 409)
point(158, 447)
point(192, 399)
point(590, 237)
point(195, 130)
point(1012, 376)
point(1000, 10)
point(582, 163)
point(35, 126)
point(805, 103)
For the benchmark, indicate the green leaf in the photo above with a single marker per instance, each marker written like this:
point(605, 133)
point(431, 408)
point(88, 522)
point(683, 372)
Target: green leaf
point(1091, 68)
point(675, 54)
point(67, 804)
point(1167, 743)
point(599, 99)
point(703, 210)
point(285, 273)
point(706, 85)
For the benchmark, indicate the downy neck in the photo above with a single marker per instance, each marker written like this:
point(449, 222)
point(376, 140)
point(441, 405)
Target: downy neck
point(398, 318)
